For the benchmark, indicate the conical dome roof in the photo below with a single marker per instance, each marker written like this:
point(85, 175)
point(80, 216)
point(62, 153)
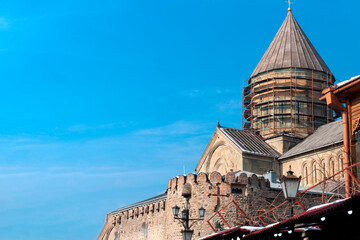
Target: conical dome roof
point(290, 48)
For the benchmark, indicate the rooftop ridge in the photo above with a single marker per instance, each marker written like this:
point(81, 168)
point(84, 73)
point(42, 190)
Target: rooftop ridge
point(238, 129)
point(249, 142)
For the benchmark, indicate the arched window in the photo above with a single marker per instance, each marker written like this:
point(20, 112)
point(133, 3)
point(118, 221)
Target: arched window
point(306, 174)
point(332, 166)
point(341, 164)
point(314, 170)
point(323, 170)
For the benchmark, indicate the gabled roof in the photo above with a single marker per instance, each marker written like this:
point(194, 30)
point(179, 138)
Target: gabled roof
point(291, 48)
point(249, 142)
point(327, 135)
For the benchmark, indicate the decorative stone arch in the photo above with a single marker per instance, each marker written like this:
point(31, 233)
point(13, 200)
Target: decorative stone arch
point(340, 162)
point(332, 165)
point(211, 153)
point(221, 158)
point(221, 166)
point(323, 170)
point(314, 172)
point(305, 173)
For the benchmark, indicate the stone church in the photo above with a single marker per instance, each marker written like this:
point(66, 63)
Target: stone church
point(285, 126)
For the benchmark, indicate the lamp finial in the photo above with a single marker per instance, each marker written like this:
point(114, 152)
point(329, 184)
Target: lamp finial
point(290, 172)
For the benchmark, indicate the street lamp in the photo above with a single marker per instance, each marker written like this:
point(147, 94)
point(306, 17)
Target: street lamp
point(290, 185)
point(187, 234)
point(185, 219)
point(201, 212)
point(185, 216)
point(176, 211)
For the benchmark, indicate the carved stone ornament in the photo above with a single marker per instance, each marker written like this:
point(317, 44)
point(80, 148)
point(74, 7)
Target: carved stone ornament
point(355, 126)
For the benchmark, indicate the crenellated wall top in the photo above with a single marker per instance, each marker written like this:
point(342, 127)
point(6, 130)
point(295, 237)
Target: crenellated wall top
point(215, 178)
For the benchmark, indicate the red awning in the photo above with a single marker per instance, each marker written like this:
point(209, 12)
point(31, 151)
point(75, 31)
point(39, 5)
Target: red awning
point(232, 232)
point(312, 215)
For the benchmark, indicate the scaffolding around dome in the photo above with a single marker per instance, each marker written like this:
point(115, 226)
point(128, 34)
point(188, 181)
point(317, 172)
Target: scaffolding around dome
point(286, 101)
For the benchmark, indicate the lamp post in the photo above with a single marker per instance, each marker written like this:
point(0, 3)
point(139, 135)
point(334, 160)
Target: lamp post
point(290, 185)
point(185, 219)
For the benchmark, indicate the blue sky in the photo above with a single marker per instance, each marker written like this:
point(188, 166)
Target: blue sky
point(103, 102)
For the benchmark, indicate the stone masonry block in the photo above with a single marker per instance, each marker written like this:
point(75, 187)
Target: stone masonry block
point(215, 177)
point(181, 180)
point(225, 189)
point(174, 183)
point(253, 180)
point(243, 178)
point(202, 177)
point(191, 178)
point(230, 177)
point(213, 191)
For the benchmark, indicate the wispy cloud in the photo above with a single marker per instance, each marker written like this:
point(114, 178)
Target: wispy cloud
point(177, 128)
point(49, 175)
point(160, 151)
point(213, 91)
point(179, 141)
point(15, 168)
point(26, 174)
point(229, 105)
point(195, 92)
point(98, 128)
point(84, 128)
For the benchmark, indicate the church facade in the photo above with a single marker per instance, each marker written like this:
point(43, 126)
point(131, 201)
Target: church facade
point(285, 126)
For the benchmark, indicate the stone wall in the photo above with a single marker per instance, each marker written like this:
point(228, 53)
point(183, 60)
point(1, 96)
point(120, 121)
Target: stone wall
point(212, 192)
point(142, 223)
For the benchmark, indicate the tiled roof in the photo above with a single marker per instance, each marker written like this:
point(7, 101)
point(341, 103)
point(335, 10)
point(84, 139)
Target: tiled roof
point(155, 199)
point(326, 135)
point(290, 48)
point(249, 142)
